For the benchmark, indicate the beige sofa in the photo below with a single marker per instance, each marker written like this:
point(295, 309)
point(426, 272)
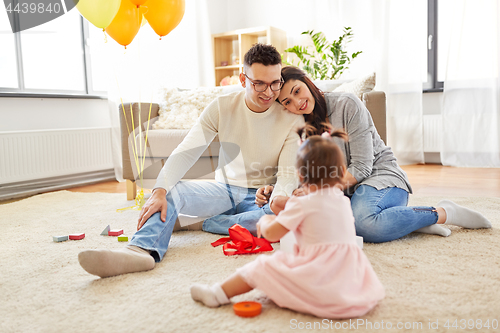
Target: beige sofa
point(161, 143)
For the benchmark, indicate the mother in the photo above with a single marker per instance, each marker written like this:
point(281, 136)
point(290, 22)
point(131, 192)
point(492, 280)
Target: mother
point(378, 187)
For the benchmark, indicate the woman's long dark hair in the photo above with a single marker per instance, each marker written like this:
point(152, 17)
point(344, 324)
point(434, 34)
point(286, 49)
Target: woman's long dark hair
point(319, 114)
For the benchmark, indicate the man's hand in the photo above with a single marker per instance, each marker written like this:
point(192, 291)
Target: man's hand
point(157, 202)
point(263, 194)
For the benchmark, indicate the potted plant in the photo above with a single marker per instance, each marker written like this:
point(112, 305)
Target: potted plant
point(327, 61)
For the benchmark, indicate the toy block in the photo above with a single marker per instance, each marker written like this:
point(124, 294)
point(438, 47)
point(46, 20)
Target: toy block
point(359, 241)
point(116, 232)
point(76, 236)
point(60, 238)
point(247, 309)
point(123, 238)
point(105, 231)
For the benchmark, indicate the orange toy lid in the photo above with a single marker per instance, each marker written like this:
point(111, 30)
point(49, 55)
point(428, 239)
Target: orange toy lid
point(247, 309)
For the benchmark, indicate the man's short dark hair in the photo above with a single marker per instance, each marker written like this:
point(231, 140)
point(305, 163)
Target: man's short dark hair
point(262, 54)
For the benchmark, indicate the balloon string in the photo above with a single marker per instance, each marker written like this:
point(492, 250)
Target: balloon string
point(139, 202)
point(149, 116)
point(105, 36)
point(134, 146)
point(141, 174)
point(147, 131)
point(134, 151)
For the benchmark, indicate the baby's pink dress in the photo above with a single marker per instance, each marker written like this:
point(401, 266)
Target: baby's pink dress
point(328, 275)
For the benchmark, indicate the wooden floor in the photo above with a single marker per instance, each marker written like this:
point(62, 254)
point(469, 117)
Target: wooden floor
point(428, 179)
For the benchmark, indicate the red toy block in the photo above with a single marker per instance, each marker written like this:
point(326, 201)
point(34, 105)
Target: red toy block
point(77, 236)
point(115, 232)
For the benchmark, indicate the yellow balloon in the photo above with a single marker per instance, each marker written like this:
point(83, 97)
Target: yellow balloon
point(126, 23)
point(98, 12)
point(164, 15)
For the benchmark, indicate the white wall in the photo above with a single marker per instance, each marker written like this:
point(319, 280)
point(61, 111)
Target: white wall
point(432, 103)
point(22, 114)
point(293, 16)
point(218, 15)
point(296, 16)
point(26, 114)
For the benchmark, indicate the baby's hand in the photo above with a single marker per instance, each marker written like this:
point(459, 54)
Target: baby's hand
point(263, 194)
point(298, 192)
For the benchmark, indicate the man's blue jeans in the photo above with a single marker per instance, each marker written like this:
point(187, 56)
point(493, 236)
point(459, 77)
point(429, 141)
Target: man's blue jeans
point(383, 215)
point(204, 199)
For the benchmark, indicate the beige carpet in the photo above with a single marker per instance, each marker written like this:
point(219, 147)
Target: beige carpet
point(43, 288)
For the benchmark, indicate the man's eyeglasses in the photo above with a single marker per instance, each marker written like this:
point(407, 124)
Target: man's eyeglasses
point(261, 86)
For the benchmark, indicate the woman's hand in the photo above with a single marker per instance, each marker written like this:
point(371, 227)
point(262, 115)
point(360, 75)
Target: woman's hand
point(263, 194)
point(157, 202)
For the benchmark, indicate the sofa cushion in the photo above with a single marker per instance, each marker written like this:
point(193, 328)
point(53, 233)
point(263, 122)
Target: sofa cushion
point(161, 143)
point(179, 109)
point(359, 86)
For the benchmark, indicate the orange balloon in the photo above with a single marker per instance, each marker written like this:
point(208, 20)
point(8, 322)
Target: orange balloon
point(164, 15)
point(138, 3)
point(126, 23)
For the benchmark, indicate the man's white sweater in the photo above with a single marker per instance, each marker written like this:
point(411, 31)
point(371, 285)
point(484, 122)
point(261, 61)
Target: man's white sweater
point(257, 149)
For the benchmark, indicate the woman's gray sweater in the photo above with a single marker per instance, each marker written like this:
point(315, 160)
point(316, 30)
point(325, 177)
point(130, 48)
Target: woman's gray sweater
point(368, 159)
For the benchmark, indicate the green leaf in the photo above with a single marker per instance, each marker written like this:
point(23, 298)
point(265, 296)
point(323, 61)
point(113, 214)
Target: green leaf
point(325, 60)
point(354, 55)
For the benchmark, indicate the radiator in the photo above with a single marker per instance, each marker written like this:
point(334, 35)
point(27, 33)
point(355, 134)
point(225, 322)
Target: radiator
point(432, 133)
point(30, 155)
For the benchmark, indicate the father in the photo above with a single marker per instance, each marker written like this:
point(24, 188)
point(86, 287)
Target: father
point(258, 147)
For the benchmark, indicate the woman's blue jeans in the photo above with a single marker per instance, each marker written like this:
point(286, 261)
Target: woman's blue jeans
point(383, 215)
point(203, 199)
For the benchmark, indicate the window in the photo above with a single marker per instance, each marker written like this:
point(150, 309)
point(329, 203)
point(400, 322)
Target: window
point(459, 41)
point(49, 59)
point(433, 83)
point(8, 59)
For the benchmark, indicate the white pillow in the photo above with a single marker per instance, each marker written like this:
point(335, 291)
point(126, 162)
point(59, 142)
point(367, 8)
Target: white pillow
point(181, 109)
point(358, 87)
point(328, 85)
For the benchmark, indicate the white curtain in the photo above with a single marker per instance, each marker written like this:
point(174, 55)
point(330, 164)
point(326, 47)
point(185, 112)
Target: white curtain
point(400, 31)
point(471, 101)
point(392, 35)
point(182, 59)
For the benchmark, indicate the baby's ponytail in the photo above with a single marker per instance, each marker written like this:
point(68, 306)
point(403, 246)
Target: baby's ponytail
point(320, 160)
point(306, 131)
point(339, 133)
point(309, 130)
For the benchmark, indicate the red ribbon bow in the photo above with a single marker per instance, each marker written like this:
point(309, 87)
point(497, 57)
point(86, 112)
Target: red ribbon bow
point(241, 241)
